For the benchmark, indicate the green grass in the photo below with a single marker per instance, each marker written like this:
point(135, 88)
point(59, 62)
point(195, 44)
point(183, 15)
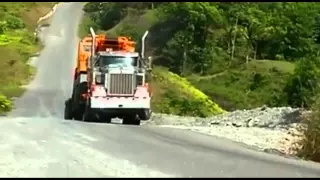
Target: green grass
point(173, 94)
point(141, 23)
point(247, 86)
point(7, 39)
point(269, 65)
point(17, 44)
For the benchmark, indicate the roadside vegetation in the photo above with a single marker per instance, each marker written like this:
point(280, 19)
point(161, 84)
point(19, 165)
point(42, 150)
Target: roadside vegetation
point(309, 146)
point(18, 21)
point(240, 55)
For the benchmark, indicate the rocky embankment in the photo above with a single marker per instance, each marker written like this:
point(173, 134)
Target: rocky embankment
point(274, 130)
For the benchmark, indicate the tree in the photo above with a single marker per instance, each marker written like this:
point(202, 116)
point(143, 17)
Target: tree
point(304, 84)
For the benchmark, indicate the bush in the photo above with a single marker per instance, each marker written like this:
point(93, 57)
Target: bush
point(14, 22)
point(303, 85)
point(175, 95)
point(5, 104)
point(310, 144)
point(3, 26)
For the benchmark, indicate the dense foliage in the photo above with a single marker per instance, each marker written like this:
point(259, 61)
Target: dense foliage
point(208, 38)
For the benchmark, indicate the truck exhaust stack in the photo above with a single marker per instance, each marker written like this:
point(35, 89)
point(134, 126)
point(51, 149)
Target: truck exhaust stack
point(143, 41)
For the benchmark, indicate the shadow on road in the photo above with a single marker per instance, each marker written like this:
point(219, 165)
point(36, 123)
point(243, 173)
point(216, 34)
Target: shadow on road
point(115, 121)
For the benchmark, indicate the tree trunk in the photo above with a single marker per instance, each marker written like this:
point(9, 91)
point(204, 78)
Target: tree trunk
point(234, 40)
point(248, 53)
point(255, 51)
point(247, 58)
point(184, 61)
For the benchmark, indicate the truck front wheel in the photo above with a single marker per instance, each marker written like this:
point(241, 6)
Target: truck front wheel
point(105, 118)
point(78, 113)
point(88, 114)
point(131, 120)
point(145, 114)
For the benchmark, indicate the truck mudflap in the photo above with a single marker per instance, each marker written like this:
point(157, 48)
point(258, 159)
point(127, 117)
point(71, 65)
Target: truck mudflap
point(120, 102)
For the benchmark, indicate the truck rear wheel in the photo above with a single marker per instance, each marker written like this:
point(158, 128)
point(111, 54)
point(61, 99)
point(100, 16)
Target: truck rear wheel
point(131, 120)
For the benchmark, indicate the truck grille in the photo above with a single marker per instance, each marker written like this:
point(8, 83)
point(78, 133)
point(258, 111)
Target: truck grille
point(121, 84)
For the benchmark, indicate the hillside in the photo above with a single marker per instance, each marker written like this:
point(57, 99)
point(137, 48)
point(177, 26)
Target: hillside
point(240, 55)
point(247, 86)
point(17, 44)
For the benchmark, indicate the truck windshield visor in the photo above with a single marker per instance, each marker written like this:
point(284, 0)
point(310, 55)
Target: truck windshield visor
point(117, 61)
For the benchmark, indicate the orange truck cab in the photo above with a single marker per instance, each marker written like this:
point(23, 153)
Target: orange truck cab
point(103, 43)
point(110, 81)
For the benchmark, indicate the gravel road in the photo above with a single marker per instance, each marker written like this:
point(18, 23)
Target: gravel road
point(37, 142)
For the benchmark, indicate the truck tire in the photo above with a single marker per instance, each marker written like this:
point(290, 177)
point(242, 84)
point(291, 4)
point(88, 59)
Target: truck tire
point(78, 114)
point(88, 114)
point(68, 110)
point(145, 114)
point(104, 118)
point(79, 106)
point(131, 120)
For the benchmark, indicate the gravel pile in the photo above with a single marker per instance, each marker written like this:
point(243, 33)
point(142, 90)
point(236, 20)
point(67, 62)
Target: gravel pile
point(264, 117)
point(269, 129)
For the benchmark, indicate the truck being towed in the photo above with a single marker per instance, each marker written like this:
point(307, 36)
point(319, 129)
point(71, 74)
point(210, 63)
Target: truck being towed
point(110, 81)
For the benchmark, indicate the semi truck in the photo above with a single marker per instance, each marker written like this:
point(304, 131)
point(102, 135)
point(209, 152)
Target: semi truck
point(110, 81)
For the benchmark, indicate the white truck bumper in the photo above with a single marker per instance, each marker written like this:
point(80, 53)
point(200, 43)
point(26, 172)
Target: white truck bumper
point(120, 103)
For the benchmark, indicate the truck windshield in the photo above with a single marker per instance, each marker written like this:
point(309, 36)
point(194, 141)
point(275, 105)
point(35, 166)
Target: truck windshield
point(117, 60)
